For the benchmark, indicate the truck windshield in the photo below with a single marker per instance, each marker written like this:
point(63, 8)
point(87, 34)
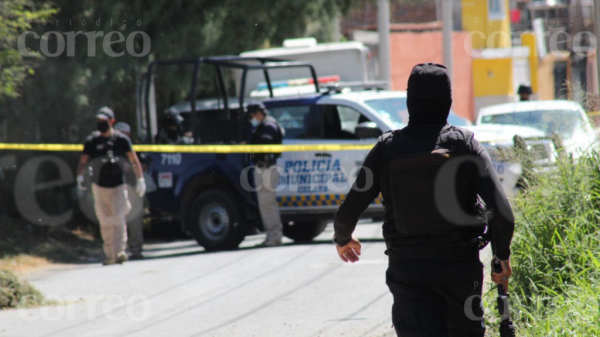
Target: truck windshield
point(393, 109)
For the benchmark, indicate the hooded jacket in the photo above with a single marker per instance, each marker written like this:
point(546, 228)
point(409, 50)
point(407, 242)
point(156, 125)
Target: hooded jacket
point(429, 101)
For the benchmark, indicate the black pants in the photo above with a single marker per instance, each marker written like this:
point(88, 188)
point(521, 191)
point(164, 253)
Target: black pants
point(437, 298)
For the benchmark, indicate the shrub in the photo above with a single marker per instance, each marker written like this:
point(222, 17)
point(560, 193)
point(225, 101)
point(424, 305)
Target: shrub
point(16, 293)
point(556, 252)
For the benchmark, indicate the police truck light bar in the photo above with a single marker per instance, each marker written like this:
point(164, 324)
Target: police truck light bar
point(298, 82)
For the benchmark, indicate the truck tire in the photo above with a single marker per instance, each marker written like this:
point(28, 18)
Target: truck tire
point(216, 221)
point(304, 231)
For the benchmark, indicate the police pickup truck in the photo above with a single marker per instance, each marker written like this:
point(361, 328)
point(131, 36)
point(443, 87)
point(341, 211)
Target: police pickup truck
point(212, 192)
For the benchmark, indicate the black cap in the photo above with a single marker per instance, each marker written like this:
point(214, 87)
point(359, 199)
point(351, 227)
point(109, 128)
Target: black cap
point(255, 107)
point(429, 81)
point(105, 113)
point(524, 89)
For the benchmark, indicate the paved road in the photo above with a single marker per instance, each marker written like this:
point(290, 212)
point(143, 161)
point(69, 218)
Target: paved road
point(294, 290)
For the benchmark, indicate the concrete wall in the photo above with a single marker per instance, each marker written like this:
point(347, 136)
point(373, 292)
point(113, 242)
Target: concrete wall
point(409, 49)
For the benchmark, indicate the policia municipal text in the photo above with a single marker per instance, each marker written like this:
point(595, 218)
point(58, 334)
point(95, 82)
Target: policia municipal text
point(432, 177)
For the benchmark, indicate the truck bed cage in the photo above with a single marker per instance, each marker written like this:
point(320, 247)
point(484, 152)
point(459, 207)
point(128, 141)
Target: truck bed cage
point(245, 64)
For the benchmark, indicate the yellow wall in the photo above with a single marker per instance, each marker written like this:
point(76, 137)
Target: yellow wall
point(528, 40)
point(486, 33)
point(493, 77)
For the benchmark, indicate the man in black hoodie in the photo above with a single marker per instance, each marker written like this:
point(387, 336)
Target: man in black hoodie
point(434, 179)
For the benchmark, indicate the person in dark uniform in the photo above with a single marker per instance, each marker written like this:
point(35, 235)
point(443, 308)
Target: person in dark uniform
point(434, 179)
point(524, 92)
point(266, 174)
point(107, 151)
point(171, 131)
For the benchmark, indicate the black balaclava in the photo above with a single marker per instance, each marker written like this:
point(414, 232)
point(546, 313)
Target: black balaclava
point(429, 96)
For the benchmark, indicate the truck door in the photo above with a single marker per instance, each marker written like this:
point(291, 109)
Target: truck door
point(300, 176)
point(340, 127)
point(318, 181)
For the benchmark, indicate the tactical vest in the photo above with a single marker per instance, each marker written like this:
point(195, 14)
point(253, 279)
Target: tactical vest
point(267, 158)
point(433, 184)
point(108, 167)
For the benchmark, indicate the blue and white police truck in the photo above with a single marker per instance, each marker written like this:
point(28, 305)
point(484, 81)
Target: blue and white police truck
point(333, 127)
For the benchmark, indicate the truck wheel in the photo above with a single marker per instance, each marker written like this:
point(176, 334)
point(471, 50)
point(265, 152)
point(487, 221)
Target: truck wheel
point(215, 220)
point(304, 231)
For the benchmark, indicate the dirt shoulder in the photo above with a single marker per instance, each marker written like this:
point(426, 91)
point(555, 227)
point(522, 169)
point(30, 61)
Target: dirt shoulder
point(26, 248)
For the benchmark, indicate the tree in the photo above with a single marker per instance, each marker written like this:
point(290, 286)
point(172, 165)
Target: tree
point(15, 18)
point(71, 88)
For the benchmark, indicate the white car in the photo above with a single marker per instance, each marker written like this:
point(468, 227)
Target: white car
point(496, 137)
point(567, 119)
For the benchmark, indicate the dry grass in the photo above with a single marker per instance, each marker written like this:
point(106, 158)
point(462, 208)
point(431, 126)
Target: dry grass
point(24, 264)
point(25, 248)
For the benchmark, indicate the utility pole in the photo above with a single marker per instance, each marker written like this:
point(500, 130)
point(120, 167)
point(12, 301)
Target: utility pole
point(383, 28)
point(447, 27)
point(597, 25)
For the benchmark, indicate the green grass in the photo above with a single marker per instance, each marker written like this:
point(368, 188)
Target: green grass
point(15, 293)
point(555, 288)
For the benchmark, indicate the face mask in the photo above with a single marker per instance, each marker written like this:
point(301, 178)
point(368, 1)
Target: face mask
point(254, 122)
point(102, 126)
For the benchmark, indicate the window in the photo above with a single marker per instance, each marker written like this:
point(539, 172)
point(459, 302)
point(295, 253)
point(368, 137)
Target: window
point(496, 10)
point(348, 118)
point(299, 121)
point(215, 128)
point(340, 121)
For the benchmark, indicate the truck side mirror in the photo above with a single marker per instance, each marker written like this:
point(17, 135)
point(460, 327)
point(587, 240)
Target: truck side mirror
point(367, 130)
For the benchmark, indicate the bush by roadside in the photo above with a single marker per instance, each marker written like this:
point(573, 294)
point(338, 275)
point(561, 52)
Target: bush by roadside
point(25, 247)
point(17, 293)
point(556, 253)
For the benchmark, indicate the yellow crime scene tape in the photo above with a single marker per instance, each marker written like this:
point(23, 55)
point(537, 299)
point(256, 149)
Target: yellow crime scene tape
point(199, 148)
point(593, 113)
